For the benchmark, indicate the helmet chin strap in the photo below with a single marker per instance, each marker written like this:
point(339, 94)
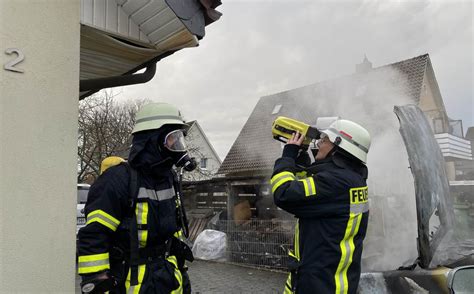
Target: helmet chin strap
point(315, 151)
point(331, 152)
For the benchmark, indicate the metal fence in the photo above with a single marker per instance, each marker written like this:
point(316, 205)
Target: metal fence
point(259, 243)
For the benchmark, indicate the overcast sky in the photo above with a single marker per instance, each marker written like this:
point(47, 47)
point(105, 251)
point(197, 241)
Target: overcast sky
point(259, 48)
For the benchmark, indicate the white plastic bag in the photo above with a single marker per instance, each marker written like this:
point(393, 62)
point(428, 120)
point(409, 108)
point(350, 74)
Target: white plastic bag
point(210, 245)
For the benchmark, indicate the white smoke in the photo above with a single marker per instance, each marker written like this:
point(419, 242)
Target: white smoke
point(369, 99)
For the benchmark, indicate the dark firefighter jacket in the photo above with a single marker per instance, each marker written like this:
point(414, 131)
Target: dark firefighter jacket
point(105, 240)
point(331, 205)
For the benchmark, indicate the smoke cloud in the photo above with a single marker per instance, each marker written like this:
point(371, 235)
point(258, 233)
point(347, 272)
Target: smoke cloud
point(368, 99)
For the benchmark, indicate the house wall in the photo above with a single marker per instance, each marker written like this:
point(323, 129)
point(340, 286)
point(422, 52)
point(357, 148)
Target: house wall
point(436, 115)
point(451, 170)
point(199, 148)
point(38, 127)
point(435, 112)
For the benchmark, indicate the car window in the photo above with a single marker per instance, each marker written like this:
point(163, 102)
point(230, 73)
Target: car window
point(82, 194)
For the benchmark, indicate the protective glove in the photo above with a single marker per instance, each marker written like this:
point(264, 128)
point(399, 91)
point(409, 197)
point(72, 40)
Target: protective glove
point(98, 283)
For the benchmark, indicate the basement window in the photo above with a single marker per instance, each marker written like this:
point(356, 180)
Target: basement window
point(276, 109)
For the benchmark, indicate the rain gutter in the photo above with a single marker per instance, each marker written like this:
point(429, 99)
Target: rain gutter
point(117, 81)
point(92, 86)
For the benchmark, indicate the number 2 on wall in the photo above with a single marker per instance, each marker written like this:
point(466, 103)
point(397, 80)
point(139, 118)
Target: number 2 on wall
point(11, 64)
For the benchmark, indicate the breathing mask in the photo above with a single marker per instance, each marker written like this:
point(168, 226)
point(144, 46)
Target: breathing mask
point(176, 146)
point(174, 141)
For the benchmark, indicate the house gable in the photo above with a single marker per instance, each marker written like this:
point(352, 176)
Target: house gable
point(200, 148)
point(431, 102)
point(254, 151)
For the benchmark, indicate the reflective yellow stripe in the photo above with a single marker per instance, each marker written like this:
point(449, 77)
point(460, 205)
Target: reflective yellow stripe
point(93, 263)
point(347, 251)
point(281, 175)
point(296, 254)
point(281, 178)
point(288, 285)
point(281, 182)
point(309, 187)
point(178, 203)
point(297, 240)
point(142, 215)
point(141, 273)
point(313, 186)
point(177, 274)
point(103, 218)
point(93, 257)
point(290, 253)
point(135, 289)
point(179, 234)
point(173, 260)
point(305, 184)
point(352, 249)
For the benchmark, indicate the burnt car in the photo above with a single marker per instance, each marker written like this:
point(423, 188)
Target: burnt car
point(445, 245)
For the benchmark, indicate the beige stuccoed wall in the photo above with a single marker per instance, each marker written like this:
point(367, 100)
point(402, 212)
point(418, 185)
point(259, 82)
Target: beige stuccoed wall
point(428, 103)
point(433, 111)
point(38, 127)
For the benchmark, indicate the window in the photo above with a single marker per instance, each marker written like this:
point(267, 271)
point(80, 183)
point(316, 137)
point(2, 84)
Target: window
point(203, 164)
point(276, 109)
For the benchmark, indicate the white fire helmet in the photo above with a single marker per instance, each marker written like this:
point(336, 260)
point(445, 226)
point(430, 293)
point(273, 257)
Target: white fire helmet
point(155, 115)
point(351, 137)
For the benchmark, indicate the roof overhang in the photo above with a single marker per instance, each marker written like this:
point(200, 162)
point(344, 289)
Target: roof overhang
point(120, 37)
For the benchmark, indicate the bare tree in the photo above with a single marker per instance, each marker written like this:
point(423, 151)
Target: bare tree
point(105, 127)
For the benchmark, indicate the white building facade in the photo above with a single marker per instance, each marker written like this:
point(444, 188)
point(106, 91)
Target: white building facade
point(202, 150)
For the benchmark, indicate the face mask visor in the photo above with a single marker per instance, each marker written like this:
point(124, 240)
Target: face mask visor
point(175, 142)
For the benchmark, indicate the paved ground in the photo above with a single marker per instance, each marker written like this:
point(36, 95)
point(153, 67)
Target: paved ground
point(216, 278)
point(211, 277)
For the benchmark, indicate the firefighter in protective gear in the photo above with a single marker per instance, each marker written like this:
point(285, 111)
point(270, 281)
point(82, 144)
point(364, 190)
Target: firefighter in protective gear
point(133, 239)
point(331, 207)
